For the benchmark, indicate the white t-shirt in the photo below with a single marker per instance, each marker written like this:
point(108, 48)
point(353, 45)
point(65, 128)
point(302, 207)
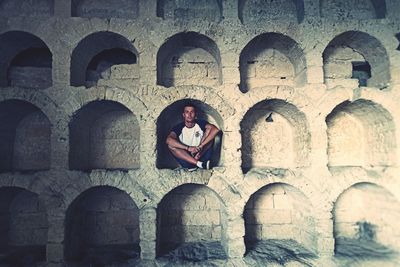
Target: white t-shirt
point(190, 136)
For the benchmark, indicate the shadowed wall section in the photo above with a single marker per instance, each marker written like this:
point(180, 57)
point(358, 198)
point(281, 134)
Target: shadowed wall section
point(191, 216)
point(37, 8)
point(102, 227)
point(189, 59)
point(25, 61)
point(25, 137)
point(127, 9)
point(353, 9)
point(279, 216)
point(101, 57)
point(104, 135)
point(23, 228)
point(209, 10)
point(253, 11)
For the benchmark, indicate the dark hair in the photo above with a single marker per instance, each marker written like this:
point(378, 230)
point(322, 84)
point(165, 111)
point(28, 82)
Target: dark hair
point(189, 105)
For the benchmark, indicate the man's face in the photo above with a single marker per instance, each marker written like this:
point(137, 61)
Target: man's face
point(189, 114)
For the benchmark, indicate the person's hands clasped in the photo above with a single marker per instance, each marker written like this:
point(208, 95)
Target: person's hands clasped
point(193, 150)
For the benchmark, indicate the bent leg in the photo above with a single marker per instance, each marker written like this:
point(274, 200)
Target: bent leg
point(206, 149)
point(183, 157)
point(207, 154)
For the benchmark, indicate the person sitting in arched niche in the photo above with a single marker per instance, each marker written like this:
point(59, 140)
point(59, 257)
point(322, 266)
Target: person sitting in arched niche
point(191, 141)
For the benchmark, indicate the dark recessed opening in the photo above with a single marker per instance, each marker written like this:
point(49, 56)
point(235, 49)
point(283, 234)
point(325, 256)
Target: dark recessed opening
point(23, 228)
point(100, 66)
point(361, 71)
point(102, 228)
point(37, 57)
point(115, 56)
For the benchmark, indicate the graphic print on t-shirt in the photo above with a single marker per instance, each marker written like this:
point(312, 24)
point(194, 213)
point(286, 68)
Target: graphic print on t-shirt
point(190, 136)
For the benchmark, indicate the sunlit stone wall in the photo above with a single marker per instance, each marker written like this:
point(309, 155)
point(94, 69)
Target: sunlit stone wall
point(305, 167)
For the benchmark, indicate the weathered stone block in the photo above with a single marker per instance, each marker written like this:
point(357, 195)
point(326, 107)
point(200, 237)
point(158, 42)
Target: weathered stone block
point(125, 71)
point(201, 217)
point(31, 77)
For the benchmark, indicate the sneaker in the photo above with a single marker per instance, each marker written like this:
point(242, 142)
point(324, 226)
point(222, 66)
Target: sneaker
point(192, 169)
point(206, 165)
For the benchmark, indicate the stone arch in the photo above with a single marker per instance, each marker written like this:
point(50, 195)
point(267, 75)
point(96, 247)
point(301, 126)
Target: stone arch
point(23, 8)
point(23, 227)
point(171, 116)
point(365, 218)
point(126, 9)
point(25, 61)
point(210, 10)
point(25, 137)
point(280, 215)
point(102, 56)
point(361, 133)
point(352, 9)
point(191, 216)
point(189, 58)
point(104, 135)
point(252, 11)
point(275, 134)
point(272, 59)
point(356, 59)
point(102, 227)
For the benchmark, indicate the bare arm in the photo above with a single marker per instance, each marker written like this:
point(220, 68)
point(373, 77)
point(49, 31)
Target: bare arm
point(172, 141)
point(209, 135)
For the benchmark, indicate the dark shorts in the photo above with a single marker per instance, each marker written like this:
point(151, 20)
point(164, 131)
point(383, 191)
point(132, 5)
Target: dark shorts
point(206, 156)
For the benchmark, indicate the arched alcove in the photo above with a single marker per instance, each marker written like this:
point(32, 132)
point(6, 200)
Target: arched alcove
point(27, 8)
point(24, 137)
point(353, 9)
point(255, 11)
point(102, 57)
point(102, 228)
point(126, 9)
point(274, 135)
point(171, 116)
point(191, 218)
point(210, 10)
point(361, 133)
point(25, 61)
point(353, 58)
point(104, 135)
point(279, 225)
point(189, 58)
point(23, 228)
point(272, 59)
point(366, 220)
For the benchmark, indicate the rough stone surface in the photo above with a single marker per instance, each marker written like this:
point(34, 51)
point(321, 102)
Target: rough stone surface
point(196, 252)
point(279, 251)
point(308, 149)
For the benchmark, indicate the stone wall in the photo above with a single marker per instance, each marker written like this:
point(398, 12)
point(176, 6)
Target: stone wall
point(280, 211)
point(25, 132)
point(100, 217)
point(23, 225)
point(305, 94)
point(190, 213)
point(104, 135)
